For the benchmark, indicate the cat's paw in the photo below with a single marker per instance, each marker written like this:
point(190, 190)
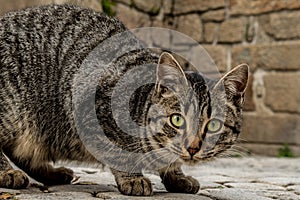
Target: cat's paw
point(138, 186)
point(58, 176)
point(13, 179)
point(182, 184)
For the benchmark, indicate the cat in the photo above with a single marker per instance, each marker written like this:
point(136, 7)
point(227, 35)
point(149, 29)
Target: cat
point(41, 51)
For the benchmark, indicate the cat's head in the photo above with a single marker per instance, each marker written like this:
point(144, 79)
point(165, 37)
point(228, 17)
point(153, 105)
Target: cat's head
point(195, 117)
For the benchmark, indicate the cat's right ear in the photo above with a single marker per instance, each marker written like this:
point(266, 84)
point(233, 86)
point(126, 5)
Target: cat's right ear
point(235, 83)
point(169, 74)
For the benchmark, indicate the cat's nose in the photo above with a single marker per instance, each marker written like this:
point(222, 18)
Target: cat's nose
point(192, 151)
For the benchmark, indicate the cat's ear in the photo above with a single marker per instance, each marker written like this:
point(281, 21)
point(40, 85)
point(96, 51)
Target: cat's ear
point(235, 81)
point(169, 73)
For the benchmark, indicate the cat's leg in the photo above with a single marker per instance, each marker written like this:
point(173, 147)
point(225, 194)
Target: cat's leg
point(134, 184)
point(42, 171)
point(11, 178)
point(47, 174)
point(54, 176)
point(175, 181)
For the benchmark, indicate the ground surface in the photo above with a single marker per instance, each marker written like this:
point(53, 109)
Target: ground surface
point(225, 179)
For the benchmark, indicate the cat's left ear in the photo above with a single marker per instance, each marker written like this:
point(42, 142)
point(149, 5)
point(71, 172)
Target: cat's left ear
point(235, 81)
point(169, 73)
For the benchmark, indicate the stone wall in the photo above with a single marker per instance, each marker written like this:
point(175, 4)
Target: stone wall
point(263, 33)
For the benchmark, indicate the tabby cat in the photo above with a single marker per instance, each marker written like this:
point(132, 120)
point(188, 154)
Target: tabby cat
point(41, 51)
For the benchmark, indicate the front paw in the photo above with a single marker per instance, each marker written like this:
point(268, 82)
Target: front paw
point(13, 179)
point(58, 176)
point(135, 186)
point(181, 184)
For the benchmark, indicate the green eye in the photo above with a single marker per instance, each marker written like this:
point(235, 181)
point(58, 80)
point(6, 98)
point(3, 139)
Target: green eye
point(177, 120)
point(214, 125)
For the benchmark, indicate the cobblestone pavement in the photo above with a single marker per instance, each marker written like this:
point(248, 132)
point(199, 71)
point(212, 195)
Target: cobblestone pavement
point(226, 179)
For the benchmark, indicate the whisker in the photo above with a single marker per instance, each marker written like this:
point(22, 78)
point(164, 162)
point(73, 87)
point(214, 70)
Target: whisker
point(175, 150)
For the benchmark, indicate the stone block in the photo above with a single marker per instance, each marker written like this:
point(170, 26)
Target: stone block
point(277, 128)
point(210, 32)
point(166, 22)
point(17, 4)
point(161, 39)
point(282, 25)
point(190, 25)
point(277, 56)
point(295, 188)
point(205, 59)
point(281, 181)
point(233, 194)
point(282, 92)
point(268, 56)
point(127, 2)
point(152, 6)
point(12, 5)
point(218, 54)
point(131, 17)
point(243, 54)
point(231, 31)
point(268, 149)
point(254, 186)
point(167, 6)
point(214, 15)
point(187, 6)
point(93, 4)
point(252, 7)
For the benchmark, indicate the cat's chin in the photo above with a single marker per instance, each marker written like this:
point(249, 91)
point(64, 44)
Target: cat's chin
point(189, 161)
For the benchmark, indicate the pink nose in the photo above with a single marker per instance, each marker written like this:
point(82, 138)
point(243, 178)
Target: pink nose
point(192, 151)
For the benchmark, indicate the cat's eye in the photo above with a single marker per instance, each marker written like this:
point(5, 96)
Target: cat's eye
point(214, 125)
point(177, 120)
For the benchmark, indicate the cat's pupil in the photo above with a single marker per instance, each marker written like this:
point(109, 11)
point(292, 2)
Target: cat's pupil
point(213, 125)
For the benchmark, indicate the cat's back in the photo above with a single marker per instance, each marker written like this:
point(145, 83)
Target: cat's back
point(40, 50)
point(52, 36)
point(43, 46)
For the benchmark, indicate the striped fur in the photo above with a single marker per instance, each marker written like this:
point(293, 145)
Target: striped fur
point(41, 51)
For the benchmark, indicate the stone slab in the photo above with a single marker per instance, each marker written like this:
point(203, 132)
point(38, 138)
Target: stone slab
point(131, 17)
point(282, 56)
point(191, 26)
point(282, 92)
point(280, 128)
point(268, 149)
point(214, 15)
point(232, 31)
point(282, 25)
point(254, 7)
point(225, 179)
point(187, 6)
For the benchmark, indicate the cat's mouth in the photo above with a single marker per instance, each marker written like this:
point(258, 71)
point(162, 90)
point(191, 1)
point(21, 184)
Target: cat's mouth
point(190, 160)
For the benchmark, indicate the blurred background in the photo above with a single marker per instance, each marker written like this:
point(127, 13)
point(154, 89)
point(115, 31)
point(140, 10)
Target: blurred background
point(263, 33)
